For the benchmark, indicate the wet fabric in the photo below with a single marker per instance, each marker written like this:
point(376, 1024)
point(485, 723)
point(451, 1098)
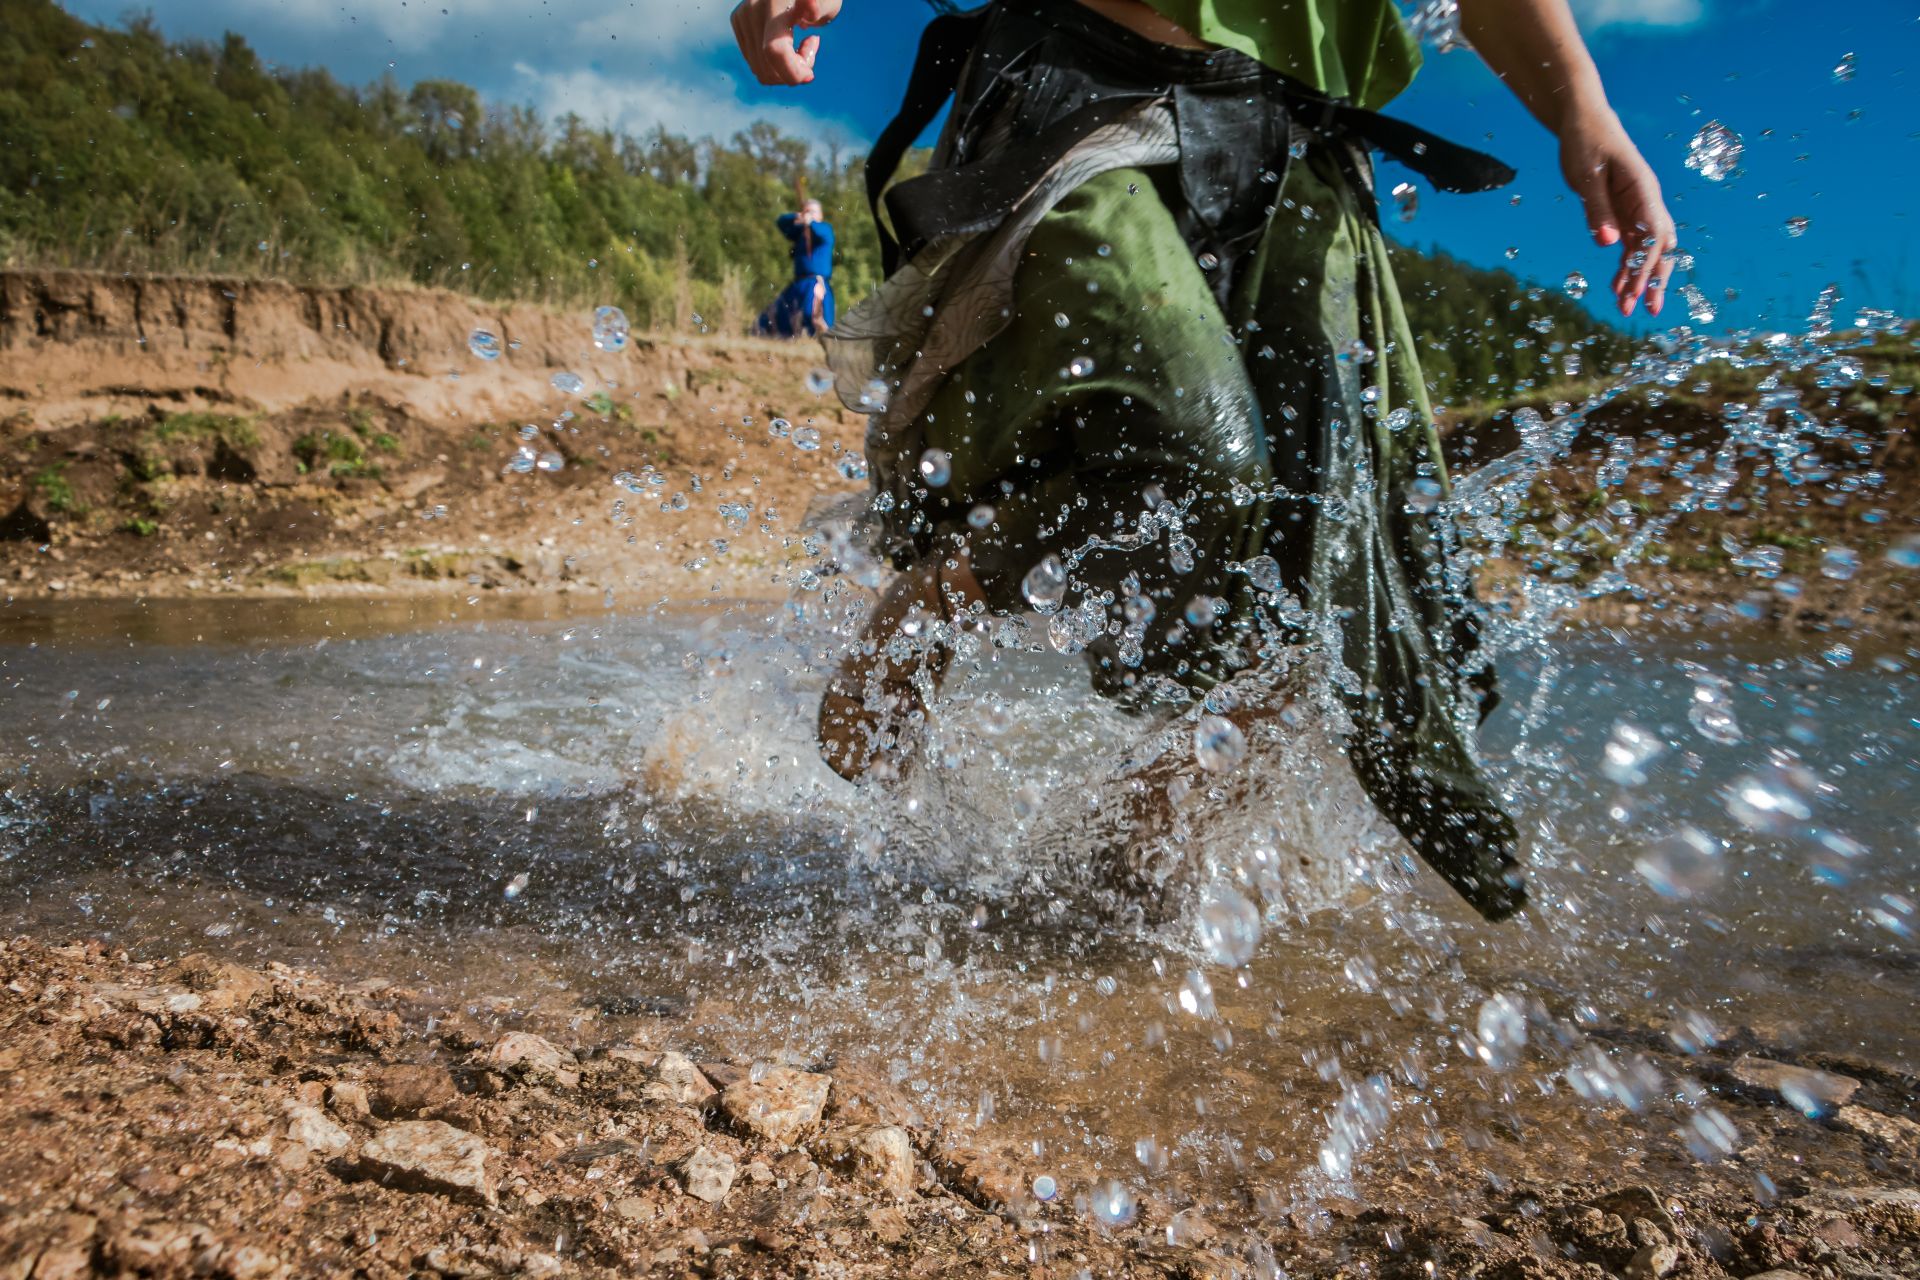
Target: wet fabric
point(1354, 49)
point(1104, 400)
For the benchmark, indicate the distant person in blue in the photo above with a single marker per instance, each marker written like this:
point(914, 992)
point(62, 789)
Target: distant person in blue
point(806, 305)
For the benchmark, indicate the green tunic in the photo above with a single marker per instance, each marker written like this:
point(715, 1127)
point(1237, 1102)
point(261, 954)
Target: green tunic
point(1353, 49)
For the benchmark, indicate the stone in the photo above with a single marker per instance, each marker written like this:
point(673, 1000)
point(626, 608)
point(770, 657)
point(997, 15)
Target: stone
point(781, 1107)
point(634, 1209)
point(432, 1156)
point(1778, 1274)
point(675, 1079)
point(880, 1155)
point(1652, 1261)
point(531, 1057)
point(1637, 1202)
point(348, 1100)
point(706, 1174)
point(221, 984)
point(309, 1127)
point(989, 1181)
point(1805, 1089)
point(1892, 1131)
point(404, 1091)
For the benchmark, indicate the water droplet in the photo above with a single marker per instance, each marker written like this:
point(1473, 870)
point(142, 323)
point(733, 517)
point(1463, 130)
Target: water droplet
point(1680, 864)
point(517, 886)
point(1839, 563)
point(1045, 1189)
point(779, 428)
point(1699, 307)
point(1112, 1205)
point(1797, 227)
point(1629, 750)
point(1060, 319)
point(1406, 197)
point(1844, 69)
point(1045, 585)
point(853, 467)
point(1905, 554)
point(1080, 367)
point(550, 461)
point(820, 381)
point(1202, 611)
point(1208, 262)
point(981, 517)
point(1229, 927)
point(1423, 495)
point(806, 439)
point(610, 329)
point(1399, 419)
point(568, 384)
point(875, 396)
point(936, 467)
point(1711, 711)
point(1575, 285)
point(1218, 744)
point(484, 345)
point(1714, 152)
point(1501, 1029)
point(1264, 573)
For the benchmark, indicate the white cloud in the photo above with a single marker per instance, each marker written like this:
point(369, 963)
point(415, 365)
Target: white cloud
point(643, 27)
point(700, 109)
point(1594, 14)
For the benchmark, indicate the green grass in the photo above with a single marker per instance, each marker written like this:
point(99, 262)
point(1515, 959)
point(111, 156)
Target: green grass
point(602, 405)
point(335, 453)
point(56, 490)
point(141, 527)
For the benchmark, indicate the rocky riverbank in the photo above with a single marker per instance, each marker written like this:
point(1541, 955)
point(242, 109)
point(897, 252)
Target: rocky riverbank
point(191, 1117)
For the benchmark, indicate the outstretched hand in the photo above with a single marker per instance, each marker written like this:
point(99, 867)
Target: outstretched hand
point(1624, 207)
point(768, 34)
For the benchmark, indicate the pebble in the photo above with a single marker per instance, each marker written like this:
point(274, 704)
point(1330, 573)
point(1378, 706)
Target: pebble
point(534, 1058)
point(1802, 1088)
point(431, 1155)
point(707, 1174)
point(881, 1155)
point(1779, 1274)
point(1893, 1131)
point(348, 1100)
point(675, 1079)
point(781, 1107)
point(309, 1127)
point(221, 984)
point(1652, 1261)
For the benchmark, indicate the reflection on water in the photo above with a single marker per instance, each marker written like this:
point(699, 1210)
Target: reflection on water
point(622, 817)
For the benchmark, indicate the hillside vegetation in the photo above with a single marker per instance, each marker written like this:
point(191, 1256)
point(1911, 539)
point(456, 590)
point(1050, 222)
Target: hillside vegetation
point(126, 151)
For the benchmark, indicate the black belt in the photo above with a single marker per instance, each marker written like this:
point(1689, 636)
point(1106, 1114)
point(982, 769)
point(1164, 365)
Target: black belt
point(1233, 116)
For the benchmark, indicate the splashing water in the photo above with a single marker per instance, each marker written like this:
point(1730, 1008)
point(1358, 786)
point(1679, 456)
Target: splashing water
point(1714, 152)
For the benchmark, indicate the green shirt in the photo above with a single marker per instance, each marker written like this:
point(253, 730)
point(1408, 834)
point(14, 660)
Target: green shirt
point(1353, 49)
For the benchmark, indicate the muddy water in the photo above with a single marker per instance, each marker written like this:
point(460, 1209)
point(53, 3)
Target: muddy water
point(617, 820)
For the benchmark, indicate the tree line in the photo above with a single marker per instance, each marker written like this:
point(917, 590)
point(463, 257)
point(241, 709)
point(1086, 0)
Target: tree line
point(124, 150)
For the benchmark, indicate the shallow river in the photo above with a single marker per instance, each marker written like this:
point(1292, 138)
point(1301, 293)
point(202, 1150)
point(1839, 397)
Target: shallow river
point(620, 817)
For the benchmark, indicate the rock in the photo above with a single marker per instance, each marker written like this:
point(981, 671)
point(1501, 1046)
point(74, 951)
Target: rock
point(1638, 1202)
point(880, 1155)
point(1805, 1089)
point(1652, 1261)
point(781, 1107)
point(1778, 1275)
point(1892, 1131)
point(530, 1057)
point(222, 985)
point(430, 1155)
point(724, 1074)
point(675, 1079)
point(889, 1226)
point(989, 1181)
point(348, 1100)
point(309, 1127)
point(706, 1174)
point(634, 1209)
point(404, 1091)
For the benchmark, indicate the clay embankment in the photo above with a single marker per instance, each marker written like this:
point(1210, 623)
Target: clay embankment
point(164, 435)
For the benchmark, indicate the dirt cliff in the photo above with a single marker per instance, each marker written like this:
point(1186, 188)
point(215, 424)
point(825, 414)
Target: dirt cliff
point(160, 434)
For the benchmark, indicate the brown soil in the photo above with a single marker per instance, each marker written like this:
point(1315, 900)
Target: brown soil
point(171, 436)
point(196, 1118)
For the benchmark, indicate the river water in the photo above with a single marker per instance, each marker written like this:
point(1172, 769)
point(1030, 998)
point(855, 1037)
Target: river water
point(618, 820)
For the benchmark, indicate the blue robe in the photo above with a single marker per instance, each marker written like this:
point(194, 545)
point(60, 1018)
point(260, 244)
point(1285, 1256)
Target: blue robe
point(791, 315)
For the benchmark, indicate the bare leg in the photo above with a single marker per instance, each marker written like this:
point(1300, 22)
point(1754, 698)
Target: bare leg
point(869, 699)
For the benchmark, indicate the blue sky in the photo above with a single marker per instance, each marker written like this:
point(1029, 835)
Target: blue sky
point(1843, 155)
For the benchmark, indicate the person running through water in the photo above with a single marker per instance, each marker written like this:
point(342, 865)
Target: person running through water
point(1146, 368)
point(806, 305)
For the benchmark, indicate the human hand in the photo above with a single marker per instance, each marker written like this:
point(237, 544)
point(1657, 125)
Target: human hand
point(765, 30)
point(1624, 206)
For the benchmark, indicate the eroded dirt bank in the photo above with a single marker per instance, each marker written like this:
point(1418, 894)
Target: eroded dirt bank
point(190, 1117)
point(167, 436)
